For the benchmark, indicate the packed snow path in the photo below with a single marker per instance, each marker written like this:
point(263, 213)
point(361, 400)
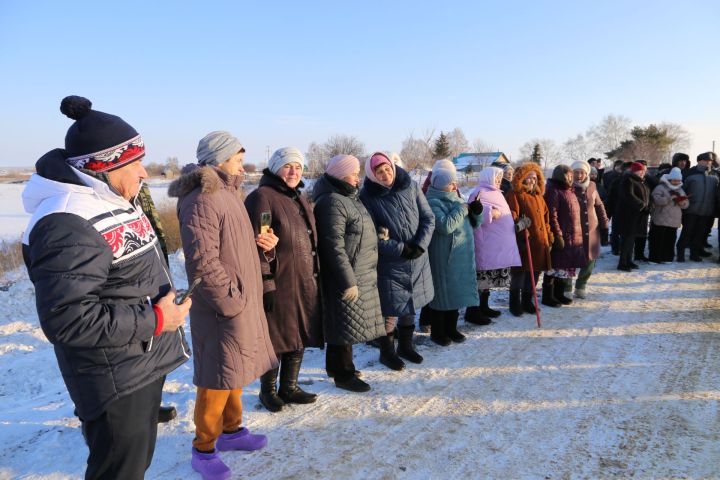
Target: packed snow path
point(623, 384)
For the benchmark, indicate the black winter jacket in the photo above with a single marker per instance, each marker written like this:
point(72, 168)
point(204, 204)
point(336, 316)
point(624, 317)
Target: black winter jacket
point(96, 265)
point(347, 243)
point(632, 205)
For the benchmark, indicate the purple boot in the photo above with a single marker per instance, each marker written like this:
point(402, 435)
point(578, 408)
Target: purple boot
point(241, 440)
point(209, 465)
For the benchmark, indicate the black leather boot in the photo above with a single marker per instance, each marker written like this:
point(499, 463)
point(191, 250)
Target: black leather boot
point(451, 320)
point(559, 290)
point(484, 307)
point(405, 347)
point(548, 294)
point(528, 302)
point(388, 355)
point(268, 391)
point(515, 305)
point(289, 371)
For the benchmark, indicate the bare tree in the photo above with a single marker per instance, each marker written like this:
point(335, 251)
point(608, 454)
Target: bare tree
point(417, 151)
point(608, 134)
point(343, 144)
point(315, 158)
point(551, 154)
point(457, 142)
point(576, 148)
point(480, 146)
point(682, 140)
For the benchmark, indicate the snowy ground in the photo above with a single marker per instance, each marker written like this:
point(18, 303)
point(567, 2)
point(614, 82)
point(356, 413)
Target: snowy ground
point(623, 384)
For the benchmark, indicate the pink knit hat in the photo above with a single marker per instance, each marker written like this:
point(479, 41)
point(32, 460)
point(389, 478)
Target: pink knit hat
point(373, 162)
point(340, 166)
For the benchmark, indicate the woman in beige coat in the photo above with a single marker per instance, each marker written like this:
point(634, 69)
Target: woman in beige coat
point(230, 339)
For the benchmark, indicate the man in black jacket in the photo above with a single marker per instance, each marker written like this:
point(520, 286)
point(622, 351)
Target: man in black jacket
point(103, 291)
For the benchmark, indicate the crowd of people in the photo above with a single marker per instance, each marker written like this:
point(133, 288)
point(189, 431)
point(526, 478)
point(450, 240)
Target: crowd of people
point(281, 271)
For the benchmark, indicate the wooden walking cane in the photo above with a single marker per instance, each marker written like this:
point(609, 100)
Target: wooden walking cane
point(532, 277)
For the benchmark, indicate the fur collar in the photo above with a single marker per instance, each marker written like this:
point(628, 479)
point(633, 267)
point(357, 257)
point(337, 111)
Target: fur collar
point(209, 179)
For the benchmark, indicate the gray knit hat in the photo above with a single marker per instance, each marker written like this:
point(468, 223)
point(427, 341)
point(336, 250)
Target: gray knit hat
point(443, 174)
point(217, 147)
point(284, 156)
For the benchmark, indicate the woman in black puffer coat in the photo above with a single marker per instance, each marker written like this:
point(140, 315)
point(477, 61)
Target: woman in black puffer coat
point(347, 243)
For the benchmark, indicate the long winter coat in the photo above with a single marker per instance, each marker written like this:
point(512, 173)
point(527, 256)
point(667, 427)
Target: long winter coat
point(702, 190)
point(633, 199)
point(229, 330)
point(347, 243)
point(404, 285)
point(94, 275)
point(666, 211)
point(295, 321)
point(495, 245)
point(564, 210)
point(592, 218)
point(532, 205)
point(452, 252)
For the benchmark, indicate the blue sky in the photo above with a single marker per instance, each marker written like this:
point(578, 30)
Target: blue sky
point(289, 73)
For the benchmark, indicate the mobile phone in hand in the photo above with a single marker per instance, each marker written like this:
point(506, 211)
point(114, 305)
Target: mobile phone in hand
point(182, 296)
point(265, 222)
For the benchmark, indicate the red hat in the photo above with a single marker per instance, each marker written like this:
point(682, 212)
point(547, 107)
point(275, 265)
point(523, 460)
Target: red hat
point(637, 167)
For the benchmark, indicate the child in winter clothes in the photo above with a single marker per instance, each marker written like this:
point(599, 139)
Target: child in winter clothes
point(495, 247)
point(668, 202)
point(452, 254)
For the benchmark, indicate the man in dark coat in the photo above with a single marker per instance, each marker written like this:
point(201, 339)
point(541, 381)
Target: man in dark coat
point(103, 292)
point(633, 198)
point(682, 161)
point(611, 185)
point(702, 191)
point(650, 182)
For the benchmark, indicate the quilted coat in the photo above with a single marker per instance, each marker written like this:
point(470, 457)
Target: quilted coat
point(495, 245)
point(452, 252)
point(404, 285)
point(295, 321)
point(564, 210)
point(532, 205)
point(231, 344)
point(347, 243)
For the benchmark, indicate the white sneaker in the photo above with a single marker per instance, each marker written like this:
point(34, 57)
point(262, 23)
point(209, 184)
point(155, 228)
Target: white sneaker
point(579, 293)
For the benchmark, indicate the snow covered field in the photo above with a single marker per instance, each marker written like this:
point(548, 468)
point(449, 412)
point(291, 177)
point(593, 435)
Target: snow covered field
point(623, 384)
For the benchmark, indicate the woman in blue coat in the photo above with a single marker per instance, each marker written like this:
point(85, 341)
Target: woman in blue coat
point(405, 225)
point(452, 254)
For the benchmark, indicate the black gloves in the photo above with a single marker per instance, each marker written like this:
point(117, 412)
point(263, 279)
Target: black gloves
point(522, 223)
point(475, 207)
point(559, 243)
point(604, 237)
point(268, 301)
point(411, 251)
